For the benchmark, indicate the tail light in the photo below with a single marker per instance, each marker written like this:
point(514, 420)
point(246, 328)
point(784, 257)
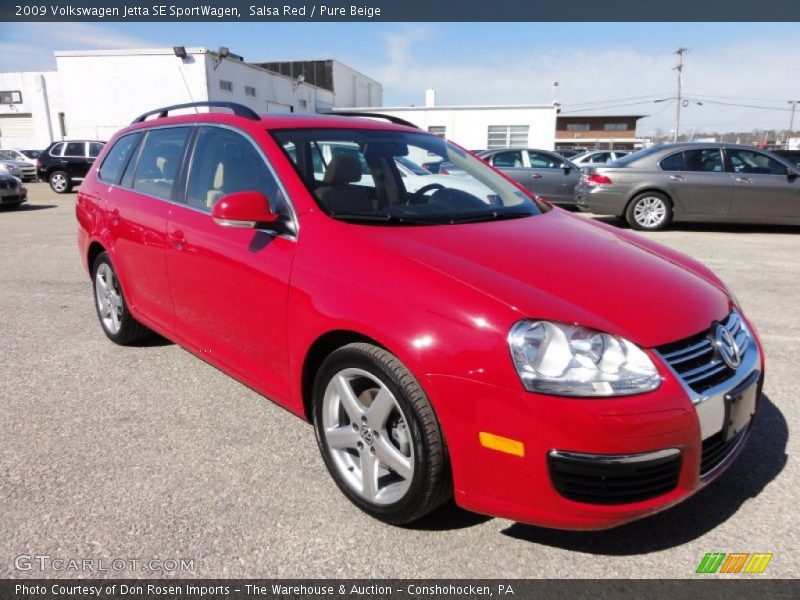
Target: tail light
point(594, 179)
point(38, 164)
point(443, 171)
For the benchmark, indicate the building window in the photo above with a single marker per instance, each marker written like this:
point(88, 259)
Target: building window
point(438, 130)
point(10, 97)
point(226, 85)
point(577, 127)
point(249, 90)
point(303, 103)
point(615, 127)
point(507, 136)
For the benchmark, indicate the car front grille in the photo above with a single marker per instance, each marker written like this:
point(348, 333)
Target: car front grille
point(614, 480)
point(8, 185)
point(716, 450)
point(696, 359)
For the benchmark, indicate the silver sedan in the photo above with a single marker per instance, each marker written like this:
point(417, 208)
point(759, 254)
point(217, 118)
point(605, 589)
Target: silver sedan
point(724, 183)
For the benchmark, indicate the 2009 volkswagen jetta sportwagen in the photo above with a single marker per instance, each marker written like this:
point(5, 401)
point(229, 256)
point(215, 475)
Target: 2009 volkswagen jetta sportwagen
point(460, 339)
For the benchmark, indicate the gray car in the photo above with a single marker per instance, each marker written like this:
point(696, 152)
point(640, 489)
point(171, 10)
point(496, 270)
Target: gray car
point(725, 183)
point(12, 192)
point(544, 173)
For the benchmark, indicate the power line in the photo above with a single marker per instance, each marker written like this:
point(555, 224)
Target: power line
point(615, 100)
point(742, 105)
point(615, 106)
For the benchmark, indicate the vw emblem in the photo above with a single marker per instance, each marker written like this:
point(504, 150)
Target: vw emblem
point(726, 347)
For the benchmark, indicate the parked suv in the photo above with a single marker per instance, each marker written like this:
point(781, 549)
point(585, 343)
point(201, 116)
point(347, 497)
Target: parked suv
point(64, 164)
point(527, 361)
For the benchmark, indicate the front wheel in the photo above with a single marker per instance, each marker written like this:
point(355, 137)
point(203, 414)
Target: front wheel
point(60, 182)
point(379, 436)
point(649, 211)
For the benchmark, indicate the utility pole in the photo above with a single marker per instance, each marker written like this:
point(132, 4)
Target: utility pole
point(791, 122)
point(679, 68)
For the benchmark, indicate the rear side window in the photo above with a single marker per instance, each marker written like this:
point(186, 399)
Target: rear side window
point(75, 149)
point(225, 162)
point(118, 157)
point(507, 159)
point(94, 149)
point(159, 160)
point(707, 160)
point(57, 150)
point(673, 162)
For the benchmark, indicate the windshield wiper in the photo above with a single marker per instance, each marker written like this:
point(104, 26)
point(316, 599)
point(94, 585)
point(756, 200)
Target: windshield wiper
point(492, 216)
point(384, 219)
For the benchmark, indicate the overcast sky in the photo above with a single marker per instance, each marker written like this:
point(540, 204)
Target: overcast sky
point(601, 68)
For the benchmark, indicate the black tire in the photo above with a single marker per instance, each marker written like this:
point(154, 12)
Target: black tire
point(635, 219)
point(130, 330)
point(55, 180)
point(431, 483)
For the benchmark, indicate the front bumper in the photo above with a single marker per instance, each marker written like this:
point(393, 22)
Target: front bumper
point(663, 424)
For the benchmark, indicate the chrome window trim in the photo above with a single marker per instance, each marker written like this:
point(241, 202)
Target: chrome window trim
point(249, 138)
point(616, 458)
point(710, 405)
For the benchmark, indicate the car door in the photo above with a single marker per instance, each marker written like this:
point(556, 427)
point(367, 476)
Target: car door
point(763, 186)
point(138, 209)
point(230, 285)
point(512, 163)
point(553, 177)
point(697, 182)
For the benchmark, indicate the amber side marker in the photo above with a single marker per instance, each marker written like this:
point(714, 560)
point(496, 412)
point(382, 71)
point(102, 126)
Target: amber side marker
point(501, 444)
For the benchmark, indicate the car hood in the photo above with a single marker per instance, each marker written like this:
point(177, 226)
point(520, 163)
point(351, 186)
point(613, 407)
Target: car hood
point(15, 163)
point(563, 267)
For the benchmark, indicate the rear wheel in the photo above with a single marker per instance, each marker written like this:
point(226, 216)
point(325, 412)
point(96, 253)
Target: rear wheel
point(112, 310)
point(59, 182)
point(649, 211)
point(379, 436)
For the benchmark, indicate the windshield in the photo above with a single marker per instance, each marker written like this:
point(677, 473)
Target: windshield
point(358, 175)
point(32, 153)
point(7, 155)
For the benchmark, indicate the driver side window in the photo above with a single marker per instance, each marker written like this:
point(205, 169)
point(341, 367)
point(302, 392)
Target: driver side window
point(755, 163)
point(225, 162)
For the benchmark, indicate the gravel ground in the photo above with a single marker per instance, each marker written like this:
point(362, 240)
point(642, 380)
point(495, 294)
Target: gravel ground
point(147, 452)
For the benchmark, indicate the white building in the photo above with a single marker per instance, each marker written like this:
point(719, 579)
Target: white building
point(94, 93)
point(29, 108)
point(481, 127)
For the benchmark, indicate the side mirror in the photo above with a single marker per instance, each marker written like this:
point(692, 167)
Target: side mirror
point(792, 175)
point(249, 210)
point(566, 167)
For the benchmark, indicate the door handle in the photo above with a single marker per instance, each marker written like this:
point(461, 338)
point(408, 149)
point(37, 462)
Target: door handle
point(177, 239)
point(743, 179)
point(536, 176)
point(115, 217)
point(677, 178)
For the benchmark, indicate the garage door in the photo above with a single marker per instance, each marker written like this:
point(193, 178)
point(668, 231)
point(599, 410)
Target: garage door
point(16, 131)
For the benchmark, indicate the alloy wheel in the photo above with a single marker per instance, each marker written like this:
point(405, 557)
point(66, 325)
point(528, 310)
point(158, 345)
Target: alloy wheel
point(59, 182)
point(109, 298)
point(650, 212)
point(367, 436)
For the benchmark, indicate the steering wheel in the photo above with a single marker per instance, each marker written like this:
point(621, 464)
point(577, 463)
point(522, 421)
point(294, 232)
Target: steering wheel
point(417, 198)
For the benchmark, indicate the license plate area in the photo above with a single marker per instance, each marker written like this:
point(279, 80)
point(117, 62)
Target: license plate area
point(740, 406)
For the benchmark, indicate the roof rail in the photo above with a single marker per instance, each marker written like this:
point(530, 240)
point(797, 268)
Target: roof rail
point(390, 118)
point(239, 110)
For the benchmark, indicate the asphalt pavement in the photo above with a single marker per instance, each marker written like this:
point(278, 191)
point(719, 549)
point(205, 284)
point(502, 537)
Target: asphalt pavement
point(147, 453)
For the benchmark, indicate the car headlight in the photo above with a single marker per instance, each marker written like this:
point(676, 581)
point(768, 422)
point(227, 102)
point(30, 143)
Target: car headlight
point(570, 360)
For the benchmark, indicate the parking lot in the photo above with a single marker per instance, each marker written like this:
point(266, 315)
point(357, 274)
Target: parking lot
point(147, 452)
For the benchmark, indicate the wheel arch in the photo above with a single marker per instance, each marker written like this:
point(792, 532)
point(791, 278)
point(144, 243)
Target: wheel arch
point(95, 249)
point(320, 349)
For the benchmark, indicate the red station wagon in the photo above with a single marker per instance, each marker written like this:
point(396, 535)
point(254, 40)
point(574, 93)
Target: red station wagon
point(463, 339)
